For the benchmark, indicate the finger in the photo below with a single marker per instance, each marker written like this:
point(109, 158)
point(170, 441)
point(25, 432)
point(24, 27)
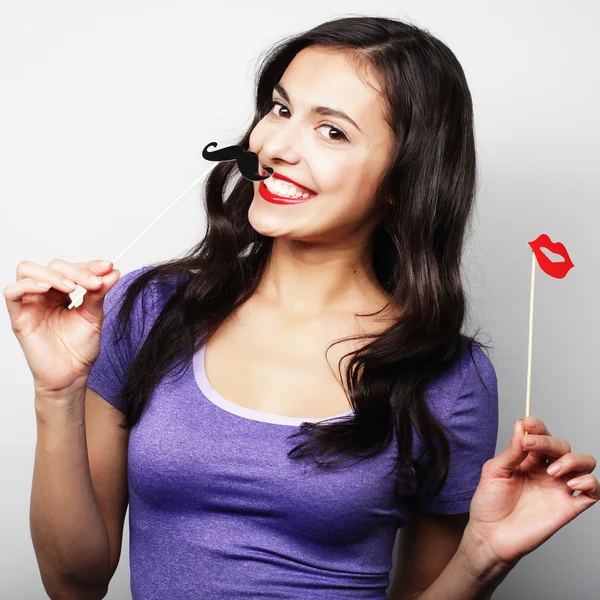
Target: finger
point(544, 445)
point(85, 274)
point(100, 267)
point(28, 285)
point(573, 463)
point(533, 425)
point(33, 271)
point(586, 483)
point(92, 307)
point(63, 276)
point(536, 426)
point(21, 292)
point(502, 465)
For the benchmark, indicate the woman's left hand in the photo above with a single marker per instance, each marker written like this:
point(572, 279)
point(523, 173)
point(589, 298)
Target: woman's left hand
point(517, 505)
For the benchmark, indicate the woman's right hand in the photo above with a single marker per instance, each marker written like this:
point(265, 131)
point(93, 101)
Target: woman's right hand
point(60, 344)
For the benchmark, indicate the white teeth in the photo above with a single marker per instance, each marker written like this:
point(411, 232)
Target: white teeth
point(284, 189)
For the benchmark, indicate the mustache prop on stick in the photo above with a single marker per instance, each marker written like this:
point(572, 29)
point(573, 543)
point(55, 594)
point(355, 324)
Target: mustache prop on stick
point(247, 163)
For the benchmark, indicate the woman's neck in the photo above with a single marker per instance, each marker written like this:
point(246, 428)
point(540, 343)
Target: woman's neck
point(307, 281)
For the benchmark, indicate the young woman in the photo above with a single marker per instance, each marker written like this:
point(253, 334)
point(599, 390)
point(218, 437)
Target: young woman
point(297, 387)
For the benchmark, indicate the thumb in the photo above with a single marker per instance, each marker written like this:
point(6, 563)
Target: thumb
point(93, 301)
point(512, 456)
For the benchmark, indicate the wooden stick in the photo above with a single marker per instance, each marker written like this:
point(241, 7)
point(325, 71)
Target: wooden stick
point(78, 293)
point(530, 333)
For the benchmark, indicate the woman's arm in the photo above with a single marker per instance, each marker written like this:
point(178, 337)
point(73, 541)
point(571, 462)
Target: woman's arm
point(471, 574)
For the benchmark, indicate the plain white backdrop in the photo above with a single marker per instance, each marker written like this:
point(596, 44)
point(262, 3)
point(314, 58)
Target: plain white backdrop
point(105, 109)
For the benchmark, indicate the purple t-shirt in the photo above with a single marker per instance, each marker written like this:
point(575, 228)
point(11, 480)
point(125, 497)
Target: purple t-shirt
point(217, 509)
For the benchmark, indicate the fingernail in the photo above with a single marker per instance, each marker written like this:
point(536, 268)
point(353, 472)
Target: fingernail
point(553, 469)
point(95, 279)
point(529, 441)
point(105, 264)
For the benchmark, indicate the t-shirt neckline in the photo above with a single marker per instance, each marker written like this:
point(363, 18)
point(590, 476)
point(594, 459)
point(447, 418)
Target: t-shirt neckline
point(248, 413)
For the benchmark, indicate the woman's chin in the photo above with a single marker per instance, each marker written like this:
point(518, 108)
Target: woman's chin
point(270, 229)
point(270, 222)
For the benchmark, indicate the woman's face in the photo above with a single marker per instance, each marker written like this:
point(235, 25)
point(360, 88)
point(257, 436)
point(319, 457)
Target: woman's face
point(342, 164)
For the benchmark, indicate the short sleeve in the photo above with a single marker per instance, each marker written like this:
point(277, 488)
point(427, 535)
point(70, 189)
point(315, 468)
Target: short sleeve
point(473, 423)
point(108, 373)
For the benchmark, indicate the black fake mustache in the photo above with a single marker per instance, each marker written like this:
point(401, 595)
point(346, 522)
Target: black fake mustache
point(247, 161)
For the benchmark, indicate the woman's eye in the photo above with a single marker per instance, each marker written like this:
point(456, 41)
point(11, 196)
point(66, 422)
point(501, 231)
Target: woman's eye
point(274, 104)
point(333, 128)
point(341, 135)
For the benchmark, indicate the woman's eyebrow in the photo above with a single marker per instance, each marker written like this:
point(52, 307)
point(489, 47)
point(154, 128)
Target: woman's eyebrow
point(320, 110)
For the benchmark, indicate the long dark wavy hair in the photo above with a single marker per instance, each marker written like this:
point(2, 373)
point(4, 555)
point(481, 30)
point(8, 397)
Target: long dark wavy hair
point(426, 198)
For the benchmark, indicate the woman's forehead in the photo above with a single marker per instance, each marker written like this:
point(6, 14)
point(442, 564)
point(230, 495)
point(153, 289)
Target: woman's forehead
point(322, 78)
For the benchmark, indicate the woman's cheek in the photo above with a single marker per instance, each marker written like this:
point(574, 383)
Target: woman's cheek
point(253, 145)
point(258, 134)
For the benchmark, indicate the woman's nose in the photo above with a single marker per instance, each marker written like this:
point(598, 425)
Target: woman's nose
point(284, 143)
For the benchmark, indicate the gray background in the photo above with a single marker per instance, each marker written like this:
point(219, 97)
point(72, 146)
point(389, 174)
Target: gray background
point(105, 108)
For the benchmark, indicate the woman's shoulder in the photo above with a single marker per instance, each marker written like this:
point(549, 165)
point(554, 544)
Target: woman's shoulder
point(157, 282)
point(153, 288)
point(472, 375)
point(476, 364)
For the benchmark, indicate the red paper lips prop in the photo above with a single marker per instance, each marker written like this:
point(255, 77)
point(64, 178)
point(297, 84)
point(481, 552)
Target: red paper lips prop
point(554, 269)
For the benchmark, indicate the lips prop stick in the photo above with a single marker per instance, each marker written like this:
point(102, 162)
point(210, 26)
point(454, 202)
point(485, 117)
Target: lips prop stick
point(558, 270)
point(247, 163)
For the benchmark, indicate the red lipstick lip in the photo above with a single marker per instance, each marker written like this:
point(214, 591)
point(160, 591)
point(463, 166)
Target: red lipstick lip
point(263, 190)
point(555, 269)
